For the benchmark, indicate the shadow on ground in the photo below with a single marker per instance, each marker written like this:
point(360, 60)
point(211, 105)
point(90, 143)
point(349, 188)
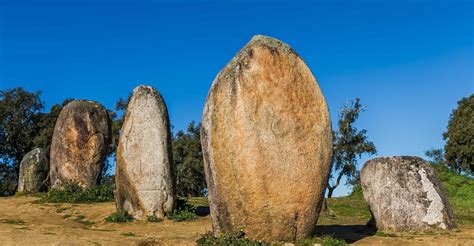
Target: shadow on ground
point(202, 211)
point(348, 233)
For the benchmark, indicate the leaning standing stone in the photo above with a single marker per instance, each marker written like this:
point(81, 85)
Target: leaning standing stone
point(78, 150)
point(267, 144)
point(34, 168)
point(143, 176)
point(404, 194)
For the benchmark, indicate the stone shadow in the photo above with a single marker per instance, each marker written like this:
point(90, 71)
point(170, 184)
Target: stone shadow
point(348, 233)
point(203, 211)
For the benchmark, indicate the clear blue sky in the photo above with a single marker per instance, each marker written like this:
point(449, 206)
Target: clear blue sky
point(409, 61)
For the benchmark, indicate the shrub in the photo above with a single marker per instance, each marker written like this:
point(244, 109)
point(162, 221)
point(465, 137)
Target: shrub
point(154, 219)
point(119, 217)
point(72, 192)
point(183, 212)
point(237, 238)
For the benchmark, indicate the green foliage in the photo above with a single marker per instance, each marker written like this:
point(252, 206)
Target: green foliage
point(19, 116)
point(435, 156)
point(324, 240)
point(72, 192)
point(183, 212)
point(349, 145)
point(128, 234)
point(119, 217)
point(8, 179)
point(153, 219)
point(459, 148)
point(187, 156)
point(20, 112)
point(237, 238)
point(460, 191)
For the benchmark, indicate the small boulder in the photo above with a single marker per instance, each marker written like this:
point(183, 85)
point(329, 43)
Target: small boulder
point(81, 137)
point(34, 168)
point(404, 194)
point(143, 175)
point(267, 144)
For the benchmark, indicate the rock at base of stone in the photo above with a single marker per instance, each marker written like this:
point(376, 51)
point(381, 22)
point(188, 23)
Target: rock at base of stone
point(34, 169)
point(144, 176)
point(404, 194)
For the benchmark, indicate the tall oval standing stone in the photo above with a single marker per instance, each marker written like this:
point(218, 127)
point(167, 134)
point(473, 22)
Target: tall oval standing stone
point(267, 144)
point(34, 168)
point(404, 194)
point(79, 146)
point(144, 176)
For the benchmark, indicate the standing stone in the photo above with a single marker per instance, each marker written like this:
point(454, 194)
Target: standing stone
point(267, 144)
point(404, 194)
point(144, 176)
point(78, 150)
point(34, 168)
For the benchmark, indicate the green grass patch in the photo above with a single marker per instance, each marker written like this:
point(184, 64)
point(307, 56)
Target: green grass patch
point(72, 192)
point(196, 201)
point(23, 194)
point(13, 221)
point(346, 210)
point(460, 191)
point(154, 219)
point(119, 217)
point(67, 216)
point(128, 234)
point(237, 238)
point(81, 219)
point(324, 240)
point(184, 211)
point(180, 215)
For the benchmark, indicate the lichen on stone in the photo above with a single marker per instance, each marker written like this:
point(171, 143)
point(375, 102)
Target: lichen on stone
point(434, 213)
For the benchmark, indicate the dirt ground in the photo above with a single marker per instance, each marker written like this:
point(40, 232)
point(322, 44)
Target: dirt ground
point(23, 222)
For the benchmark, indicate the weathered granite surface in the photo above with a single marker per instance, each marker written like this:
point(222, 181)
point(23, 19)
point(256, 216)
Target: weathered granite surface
point(267, 144)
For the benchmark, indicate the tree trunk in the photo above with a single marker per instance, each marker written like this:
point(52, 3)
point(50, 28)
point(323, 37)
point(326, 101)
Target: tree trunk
point(331, 190)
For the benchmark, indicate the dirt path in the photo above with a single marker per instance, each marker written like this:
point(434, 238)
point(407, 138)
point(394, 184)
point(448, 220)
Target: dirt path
point(25, 223)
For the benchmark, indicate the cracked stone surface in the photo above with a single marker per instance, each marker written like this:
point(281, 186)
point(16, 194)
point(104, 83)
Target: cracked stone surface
point(34, 168)
point(79, 146)
point(404, 194)
point(144, 176)
point(267, 144)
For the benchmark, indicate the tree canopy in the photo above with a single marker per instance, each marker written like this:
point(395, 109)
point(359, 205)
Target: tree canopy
point(459, 148)
point(189, 166)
